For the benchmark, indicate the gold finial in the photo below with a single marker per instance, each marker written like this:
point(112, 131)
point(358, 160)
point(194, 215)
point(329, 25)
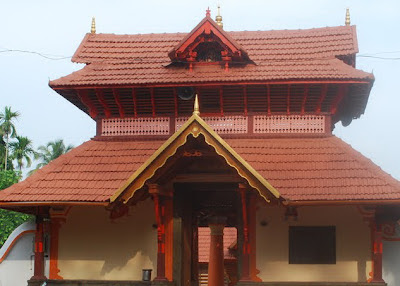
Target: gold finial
point(347, 22)
point(196, 109)
point(218, 18)
point(93, 29)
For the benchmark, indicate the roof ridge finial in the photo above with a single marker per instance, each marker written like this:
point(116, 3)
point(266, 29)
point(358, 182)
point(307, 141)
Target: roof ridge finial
point(93, 28)
point(218, 18)
point(208, 12)
point(196, 109)
point(347, 22)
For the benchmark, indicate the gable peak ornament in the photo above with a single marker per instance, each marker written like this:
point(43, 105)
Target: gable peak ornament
point(208, 12)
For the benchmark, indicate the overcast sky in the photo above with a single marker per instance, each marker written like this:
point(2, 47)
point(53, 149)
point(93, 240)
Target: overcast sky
point(55, 28)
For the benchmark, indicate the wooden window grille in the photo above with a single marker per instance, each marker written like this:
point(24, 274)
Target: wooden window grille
point(289, 124)
point(233, 99)
point(125, 96)
point(164, 101)
point(278, 98)
point(143, 99)
point(314, 94)
point(135, 126)
point(221, 124)
point(257, 98)
point(296, 98)
point(209, 100)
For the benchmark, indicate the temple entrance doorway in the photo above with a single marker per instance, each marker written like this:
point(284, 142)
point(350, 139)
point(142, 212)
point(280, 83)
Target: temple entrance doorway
point(201, 210)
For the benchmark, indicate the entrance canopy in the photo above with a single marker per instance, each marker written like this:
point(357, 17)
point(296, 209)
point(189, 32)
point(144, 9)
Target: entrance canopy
point(194, 127)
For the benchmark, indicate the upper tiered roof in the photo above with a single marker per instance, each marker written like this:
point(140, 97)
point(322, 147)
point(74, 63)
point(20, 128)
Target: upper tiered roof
point(300, 55)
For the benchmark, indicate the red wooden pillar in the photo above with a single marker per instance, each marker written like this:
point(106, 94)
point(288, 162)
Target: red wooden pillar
point(159, 210)
point(38, 271)
point(246, 245)
point(216, 260)
point(54, 238)
point(377, 247)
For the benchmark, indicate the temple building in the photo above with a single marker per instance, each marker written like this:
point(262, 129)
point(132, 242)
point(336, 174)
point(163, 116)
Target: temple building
point(213, 163)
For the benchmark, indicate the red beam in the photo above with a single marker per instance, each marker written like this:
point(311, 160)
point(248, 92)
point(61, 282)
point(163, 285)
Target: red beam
point(221, 100)
point(245, 100)
point(342, 91)
point(303, 103)
point(100, 97)
point(84, 97)
point(324, 92)
point(288, 100)
point(218, 83)
point(134, 102)
point(153, 102)
point(118, 102)
point(246, 246)
point(269, 99)
point(176, 102)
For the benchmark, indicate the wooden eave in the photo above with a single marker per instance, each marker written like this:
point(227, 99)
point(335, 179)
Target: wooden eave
point(194, 126)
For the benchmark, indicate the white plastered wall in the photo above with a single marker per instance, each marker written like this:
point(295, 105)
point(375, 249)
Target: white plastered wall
point(353, 254)
point(91, 246)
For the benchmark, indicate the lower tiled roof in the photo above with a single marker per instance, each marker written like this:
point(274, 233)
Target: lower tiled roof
point(301, 169)
point(230, 239)
point(128, 73)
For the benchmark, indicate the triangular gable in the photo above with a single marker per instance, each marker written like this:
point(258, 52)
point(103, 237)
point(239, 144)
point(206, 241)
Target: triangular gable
point(194, 126)
point(231, 49)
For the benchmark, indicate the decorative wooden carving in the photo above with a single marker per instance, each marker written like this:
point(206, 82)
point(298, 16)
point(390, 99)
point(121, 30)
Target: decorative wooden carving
point(289, 124)
point(221, 125)
point(135, 126)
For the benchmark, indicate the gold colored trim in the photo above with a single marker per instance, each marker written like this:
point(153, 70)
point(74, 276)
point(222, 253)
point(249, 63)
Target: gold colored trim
point(194, 126)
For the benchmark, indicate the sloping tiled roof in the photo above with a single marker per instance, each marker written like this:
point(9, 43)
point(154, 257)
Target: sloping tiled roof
point(278, 55)
point(230, 238)
point(301, 169)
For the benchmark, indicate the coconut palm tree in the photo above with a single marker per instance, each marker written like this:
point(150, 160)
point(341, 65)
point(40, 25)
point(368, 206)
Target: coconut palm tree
point(51, 151)
point(22, 150)
point(7, 128)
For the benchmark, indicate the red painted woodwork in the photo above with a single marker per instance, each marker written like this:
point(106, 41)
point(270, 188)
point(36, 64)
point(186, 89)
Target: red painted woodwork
point(159, 209)
point(84, 97)
point(153, 102)
point(246, 244)
point(303, 103)
point(377, 247)
point(168, 221)
point(118, 102)
point(252, 210)
point(221, 100)
point(288, 100)
point(38, 270)
point(216, 262)
point(54, 239)
point(207, 31)
point(100, 96)
point(245, 100)
point(269, 99)
point(134, 102)
point(342, 91)
point(321, 99)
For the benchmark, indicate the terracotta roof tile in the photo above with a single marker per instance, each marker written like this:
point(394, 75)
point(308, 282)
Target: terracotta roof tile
point(301, 169)
point(230, 238)
point(278, 55)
